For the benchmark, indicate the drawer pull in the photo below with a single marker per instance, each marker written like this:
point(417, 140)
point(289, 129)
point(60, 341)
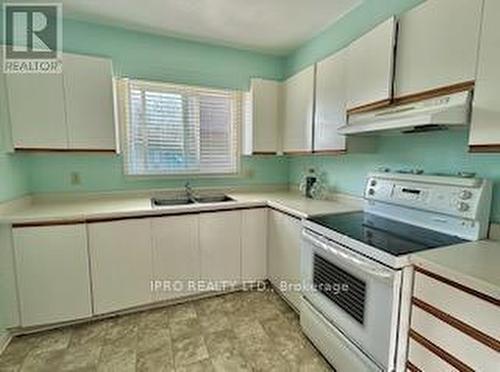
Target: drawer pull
point(412, 367)
point(472, 332)
point(473, 292)
point(443, 354)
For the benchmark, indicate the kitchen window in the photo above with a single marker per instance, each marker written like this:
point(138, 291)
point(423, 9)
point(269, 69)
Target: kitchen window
point(172, 129)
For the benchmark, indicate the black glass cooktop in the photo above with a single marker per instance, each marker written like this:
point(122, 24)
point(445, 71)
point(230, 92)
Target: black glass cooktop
point(391, 236)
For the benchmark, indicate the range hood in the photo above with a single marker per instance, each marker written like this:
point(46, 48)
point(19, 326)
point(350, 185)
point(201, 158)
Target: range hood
point(431, 114)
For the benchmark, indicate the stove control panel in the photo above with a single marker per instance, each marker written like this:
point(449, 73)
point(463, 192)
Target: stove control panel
point(460, 197)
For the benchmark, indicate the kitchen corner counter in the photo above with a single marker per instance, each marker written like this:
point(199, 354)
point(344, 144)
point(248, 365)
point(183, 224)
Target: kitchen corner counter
point(95, 208)
point(301, 207)
point(474, 264)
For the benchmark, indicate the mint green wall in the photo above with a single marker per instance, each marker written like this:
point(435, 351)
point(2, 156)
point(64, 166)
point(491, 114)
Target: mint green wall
point(144, 56)
point(153, 57)
point(355, 23)
point(436, 152)
point(51, 173)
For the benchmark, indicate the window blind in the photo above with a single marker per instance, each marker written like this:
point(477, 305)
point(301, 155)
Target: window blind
point(172, 129)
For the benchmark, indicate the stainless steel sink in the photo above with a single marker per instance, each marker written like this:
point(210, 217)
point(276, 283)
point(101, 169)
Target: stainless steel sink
point(157, 202)
point(213, 199)
point(165, 202)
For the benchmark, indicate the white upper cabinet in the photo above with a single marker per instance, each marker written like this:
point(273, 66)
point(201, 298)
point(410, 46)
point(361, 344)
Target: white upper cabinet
point(437, 45)
point(261, 132)
point(298, 102)
point(330, 103)
point(37, 113)
point(88, 89)
point(53, 276)
point(370, 66)
point(485, 127)
point(73, 110)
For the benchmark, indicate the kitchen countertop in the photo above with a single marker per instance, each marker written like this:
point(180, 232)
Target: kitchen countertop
point(473, 264)
point(84, 209)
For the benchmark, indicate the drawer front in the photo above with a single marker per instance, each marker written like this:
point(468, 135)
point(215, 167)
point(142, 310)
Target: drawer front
point(424, 360)
point(476, 312)
point(465, 349)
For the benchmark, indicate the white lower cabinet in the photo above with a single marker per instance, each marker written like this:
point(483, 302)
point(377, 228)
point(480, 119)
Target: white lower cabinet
point(284, 255)
point(121, 263)
point(220, 247)
point(69, 272)
point(52, 273)
point(254, 244)
point(176, 256)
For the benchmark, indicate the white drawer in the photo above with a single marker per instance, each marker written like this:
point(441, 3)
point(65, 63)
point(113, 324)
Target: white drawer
point(464, 348)
point(425, 360)
point(476, 312)
point(334, 346)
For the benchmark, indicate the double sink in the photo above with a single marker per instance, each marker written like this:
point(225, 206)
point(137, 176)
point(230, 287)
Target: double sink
point(169, 202)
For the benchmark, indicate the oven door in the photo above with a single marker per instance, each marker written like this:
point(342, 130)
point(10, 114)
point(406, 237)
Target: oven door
point(357, 295)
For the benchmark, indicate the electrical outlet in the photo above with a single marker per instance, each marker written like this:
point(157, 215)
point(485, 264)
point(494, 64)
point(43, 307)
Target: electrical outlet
point(75, 178)
point(249, 173)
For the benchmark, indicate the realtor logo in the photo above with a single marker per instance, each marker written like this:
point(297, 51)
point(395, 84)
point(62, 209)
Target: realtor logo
point(32, 38)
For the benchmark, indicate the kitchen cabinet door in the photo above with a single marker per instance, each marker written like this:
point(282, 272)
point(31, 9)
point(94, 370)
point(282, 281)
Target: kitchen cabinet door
point(330, 103)
point(284, 255)
point(370, 67)
point(298, 102)
point(176, 255)
point(437, 45)
point(254, 244)
point(220, 246)
point(261, 128)
point(88, 88)
point(52, 274)
point(485, 126)
point(121, 263)
point(37, 113)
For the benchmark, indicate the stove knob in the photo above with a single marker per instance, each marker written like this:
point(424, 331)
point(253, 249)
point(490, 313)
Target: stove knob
point(373, 183)
point(465, 194)
point(371, 192)
point(463, 207)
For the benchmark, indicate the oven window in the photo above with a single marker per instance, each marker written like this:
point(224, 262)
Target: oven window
point(339, 286)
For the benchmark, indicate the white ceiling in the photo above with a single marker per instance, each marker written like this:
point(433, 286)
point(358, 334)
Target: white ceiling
point(271, 26)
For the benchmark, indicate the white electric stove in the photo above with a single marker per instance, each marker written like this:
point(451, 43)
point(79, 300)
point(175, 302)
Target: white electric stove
point(356, 266)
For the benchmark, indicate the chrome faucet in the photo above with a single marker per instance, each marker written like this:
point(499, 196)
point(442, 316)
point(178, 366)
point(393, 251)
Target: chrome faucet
point(189, 192)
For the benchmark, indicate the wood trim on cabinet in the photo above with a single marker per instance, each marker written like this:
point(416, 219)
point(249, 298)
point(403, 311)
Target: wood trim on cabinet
point(441, 91)
point(30, 149)
point(415, 97)
point(458, 324)
point(473, 292)
point(308, 152)
point(484, 148)
point(438, 351)
point(330, 152)
point(46, 223)
point(412, 367)
point(136, 217)
point(369, 107)
point(264, 153)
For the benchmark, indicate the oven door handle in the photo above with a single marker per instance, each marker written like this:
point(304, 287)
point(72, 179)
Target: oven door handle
point(364, 265)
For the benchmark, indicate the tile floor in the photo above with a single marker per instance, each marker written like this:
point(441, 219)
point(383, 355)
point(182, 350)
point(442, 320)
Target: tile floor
point(243, 331)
